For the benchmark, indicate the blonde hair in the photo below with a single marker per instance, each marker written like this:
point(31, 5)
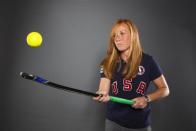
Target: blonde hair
point(113, 55)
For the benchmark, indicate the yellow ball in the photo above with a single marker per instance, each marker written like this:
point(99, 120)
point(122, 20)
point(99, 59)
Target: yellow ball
point(34, 39)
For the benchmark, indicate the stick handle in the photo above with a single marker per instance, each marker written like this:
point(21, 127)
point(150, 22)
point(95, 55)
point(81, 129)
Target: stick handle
point(48, 83)
point(121, 100)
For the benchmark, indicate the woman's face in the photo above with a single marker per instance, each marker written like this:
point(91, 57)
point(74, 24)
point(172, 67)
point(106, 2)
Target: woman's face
point(122, 38)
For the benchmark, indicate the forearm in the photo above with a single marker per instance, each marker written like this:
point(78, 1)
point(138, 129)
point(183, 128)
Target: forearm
point(158, 94)
point(162, 89)
point(104, 85)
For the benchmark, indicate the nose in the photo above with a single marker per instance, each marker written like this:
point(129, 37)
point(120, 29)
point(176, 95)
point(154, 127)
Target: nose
point(117, 37)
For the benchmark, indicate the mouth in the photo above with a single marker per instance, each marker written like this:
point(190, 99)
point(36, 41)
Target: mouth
point(119, 44)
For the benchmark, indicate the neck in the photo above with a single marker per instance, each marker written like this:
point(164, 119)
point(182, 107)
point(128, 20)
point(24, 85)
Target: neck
point(125, 55)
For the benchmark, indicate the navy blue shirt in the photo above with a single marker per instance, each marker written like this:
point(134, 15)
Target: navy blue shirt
point(125, 115)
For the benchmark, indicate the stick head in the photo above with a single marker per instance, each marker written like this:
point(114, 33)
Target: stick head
point(27, 76)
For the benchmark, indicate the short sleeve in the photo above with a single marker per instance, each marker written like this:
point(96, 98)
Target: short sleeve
point(101, 71)
point(155, 70)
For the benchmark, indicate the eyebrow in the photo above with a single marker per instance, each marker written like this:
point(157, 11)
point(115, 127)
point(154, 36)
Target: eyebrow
point(123, 30)
point(120, 31)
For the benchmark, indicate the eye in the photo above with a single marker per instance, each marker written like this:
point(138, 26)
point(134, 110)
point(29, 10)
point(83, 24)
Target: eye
point(122, 32)
point(113, 36)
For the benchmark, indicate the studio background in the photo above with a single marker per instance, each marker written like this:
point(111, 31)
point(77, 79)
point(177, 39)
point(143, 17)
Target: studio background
point(75, 37)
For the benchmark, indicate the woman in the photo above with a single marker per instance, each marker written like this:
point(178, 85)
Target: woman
point(126, 72)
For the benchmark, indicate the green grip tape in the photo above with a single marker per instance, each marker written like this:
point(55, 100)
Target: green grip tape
point(121, 100)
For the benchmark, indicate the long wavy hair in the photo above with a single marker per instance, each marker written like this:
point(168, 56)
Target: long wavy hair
point(113, 55)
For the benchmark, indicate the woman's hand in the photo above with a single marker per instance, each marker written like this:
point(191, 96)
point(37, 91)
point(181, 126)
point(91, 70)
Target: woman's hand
point(140, 102)
point(103, 90)
point(103, 96)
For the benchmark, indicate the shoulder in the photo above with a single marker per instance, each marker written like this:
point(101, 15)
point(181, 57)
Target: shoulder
point(146, 57)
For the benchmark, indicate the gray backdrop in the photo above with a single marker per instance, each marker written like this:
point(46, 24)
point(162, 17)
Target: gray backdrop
point(75, 36)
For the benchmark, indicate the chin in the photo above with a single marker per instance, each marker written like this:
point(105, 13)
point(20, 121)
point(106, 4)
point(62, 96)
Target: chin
point(122, 49)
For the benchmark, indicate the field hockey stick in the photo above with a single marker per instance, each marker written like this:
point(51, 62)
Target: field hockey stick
point(65, 88)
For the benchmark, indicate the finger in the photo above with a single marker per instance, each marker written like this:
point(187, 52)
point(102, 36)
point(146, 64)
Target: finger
point(97, 98)
point(139, 105)
point(107, 98)
point(136, 104)
point(101, 95)
point(101, 99)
